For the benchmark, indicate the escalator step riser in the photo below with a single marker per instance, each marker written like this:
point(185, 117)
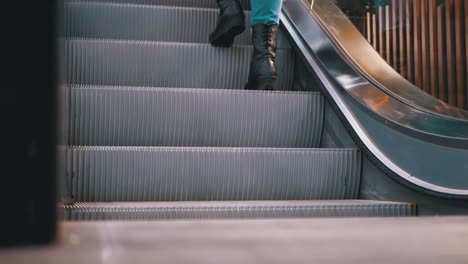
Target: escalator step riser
point(182, 3)
point(152, 23)
point(130, 116)
point(229, 210)
point(164, 64)
point(208, 174)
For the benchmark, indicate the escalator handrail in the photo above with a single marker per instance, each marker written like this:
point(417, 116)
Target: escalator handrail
point(368, 62)
point(379, 103)
point(318, 51)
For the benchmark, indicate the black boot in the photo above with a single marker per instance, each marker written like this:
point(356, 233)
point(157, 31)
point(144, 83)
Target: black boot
point(231, 22)
point(262, 73)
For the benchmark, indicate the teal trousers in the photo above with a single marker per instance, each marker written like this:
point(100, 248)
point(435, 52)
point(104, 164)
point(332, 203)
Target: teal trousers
point(265, 11)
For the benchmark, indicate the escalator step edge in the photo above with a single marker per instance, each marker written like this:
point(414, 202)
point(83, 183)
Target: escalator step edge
point(234, 209)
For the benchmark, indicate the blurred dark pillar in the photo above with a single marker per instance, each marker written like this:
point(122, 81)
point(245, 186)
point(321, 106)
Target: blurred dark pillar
point(28, 103)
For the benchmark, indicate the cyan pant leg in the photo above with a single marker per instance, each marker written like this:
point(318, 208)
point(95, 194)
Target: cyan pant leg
point(265, 11)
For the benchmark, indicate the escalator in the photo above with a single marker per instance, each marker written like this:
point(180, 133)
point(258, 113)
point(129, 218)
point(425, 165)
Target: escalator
point(159, 128)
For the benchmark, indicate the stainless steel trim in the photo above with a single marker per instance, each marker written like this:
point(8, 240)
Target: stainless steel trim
point(345, 83)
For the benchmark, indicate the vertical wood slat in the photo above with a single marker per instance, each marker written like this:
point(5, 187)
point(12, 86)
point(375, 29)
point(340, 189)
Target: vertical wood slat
point(466, 52)
point(441, 51)
point(409, 39)
point(381, 32)
point(369, 27)
point(363, 25)
point(388, 35)
point(374, 32)
point(426, 41)
point(417, 42)
point(426, 70)
point(459, 50)
point(433, 47)
point(395, 21)
point(402, 39)
point(449, 28)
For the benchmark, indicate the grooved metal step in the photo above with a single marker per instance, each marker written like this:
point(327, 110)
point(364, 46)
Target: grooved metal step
point(139, 116)
point(143, 22)
point(185, 3)
point(165, 64)
point(201, 174)
point(234, 209)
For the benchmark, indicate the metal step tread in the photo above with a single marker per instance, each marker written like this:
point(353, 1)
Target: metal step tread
point(192, 90)
point(234, 209)
point(165, 64)
point(207, 174)
point(143, 22)
point(185, 3)
point(148, 116)
point(134, 3)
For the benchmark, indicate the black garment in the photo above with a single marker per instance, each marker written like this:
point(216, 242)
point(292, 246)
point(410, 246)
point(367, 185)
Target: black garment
point(231, 22)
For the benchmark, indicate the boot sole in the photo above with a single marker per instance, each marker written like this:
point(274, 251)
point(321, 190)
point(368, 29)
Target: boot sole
point(226, 39)
point(262, 84)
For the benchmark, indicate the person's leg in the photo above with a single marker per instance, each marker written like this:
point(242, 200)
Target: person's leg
point(265, 11)
point(265, 20)
point(231, 22)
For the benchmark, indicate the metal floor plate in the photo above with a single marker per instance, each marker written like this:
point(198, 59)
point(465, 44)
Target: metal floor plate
point(404, 240)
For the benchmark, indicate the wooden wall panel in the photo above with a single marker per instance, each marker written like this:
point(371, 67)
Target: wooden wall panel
point(417, 43)
point(374, 32)
point(395, 23)
point(460, 53)
point(409, 41)
point(450, 52)
point(388, 35)
point(441, 52)
point(381, 25)
point(425, 52)
point(466, 52)
point(433, 65)
point(369, 27)
point(402, 38)
point(426, 41)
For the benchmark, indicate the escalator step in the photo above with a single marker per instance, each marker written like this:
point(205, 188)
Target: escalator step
point(234, 209)
point(184, 3)
point(165, 64)
point(132, 116)
point(143, 22)
point(200, 174)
